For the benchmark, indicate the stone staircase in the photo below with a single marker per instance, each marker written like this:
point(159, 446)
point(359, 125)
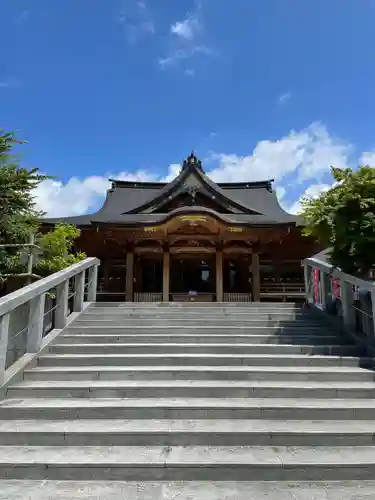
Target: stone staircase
point(189, 401)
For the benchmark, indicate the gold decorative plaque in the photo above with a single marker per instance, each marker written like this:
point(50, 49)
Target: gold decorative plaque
point(150, 229)
point(235, 229)
point(193, 218)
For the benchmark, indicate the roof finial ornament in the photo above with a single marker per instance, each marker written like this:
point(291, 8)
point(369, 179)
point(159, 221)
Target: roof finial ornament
point(192, 160)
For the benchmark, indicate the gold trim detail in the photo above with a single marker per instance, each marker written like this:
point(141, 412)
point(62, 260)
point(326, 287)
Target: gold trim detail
point(235, 229)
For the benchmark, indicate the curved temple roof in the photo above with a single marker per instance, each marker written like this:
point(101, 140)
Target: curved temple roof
point(133, 203)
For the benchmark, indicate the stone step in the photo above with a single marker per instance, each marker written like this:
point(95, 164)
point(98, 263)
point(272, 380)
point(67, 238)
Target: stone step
point(193, 463)
point(267, 373)
point(188, 330)
point(218, 348)
point(198, 338)
point(86, 320)
point(188, 408)
point(191, 490)
point(168, 432)
point(328, 374)
point(204, 305)
point(197, 359)
point(191, 314)
point(191, 388)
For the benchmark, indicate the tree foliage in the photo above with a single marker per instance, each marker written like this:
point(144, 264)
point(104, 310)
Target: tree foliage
point(343, 219)
point(19, 217)
point(57, 247)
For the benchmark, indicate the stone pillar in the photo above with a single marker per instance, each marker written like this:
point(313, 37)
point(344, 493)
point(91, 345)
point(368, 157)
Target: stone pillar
point(166, 276)
point(129, 276)
point(255, 268)
point(219, 276)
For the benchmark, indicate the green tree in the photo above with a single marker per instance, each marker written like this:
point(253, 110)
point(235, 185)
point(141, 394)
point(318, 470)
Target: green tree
point(343, 219)
point(19, 217)
point(57, 247)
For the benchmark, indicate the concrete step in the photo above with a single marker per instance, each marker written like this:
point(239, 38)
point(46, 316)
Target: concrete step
point(198, 338)
point(191, 388)
point(328, 374)
point(197, 359)
point(199, 463)
point(188, 408)
point(169, 432)
point(183, 490)
point(218, 348)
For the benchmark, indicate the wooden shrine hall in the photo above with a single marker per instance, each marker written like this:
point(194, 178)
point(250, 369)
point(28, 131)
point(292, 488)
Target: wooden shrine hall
point(192, 239)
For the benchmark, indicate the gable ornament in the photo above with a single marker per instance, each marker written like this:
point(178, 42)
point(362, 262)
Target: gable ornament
point(192, 160)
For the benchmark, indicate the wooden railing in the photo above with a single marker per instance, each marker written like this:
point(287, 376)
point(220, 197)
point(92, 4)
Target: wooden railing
point(30, 313)
point(148, 297)
point(237, 297)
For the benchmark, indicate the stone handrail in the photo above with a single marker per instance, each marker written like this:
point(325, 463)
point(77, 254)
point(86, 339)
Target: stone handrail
point(326, 285)
point(35, 295)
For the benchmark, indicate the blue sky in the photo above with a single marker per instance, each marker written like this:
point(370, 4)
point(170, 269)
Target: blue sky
point(124, 88)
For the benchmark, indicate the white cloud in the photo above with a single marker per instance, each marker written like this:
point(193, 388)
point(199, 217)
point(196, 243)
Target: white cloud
point(187, 28)
point(284, 98)
point(368, 159)
point(307, 154)
point(10, 82)
point(78, 196)
point(312, 191)
point(189, 72)
point(299, 156)
point(187, 40)
point(22, 17)
point(185, 53)
point(137, 21)
point(280, 191)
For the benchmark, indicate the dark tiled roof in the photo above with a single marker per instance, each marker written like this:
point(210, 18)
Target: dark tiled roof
point(255, 202)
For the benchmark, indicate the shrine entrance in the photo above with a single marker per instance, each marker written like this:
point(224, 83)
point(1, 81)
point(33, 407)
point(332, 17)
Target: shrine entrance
point(193, 278)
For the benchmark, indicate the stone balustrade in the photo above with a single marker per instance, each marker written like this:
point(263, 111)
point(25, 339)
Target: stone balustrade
point(348, 298)
point(69, 288)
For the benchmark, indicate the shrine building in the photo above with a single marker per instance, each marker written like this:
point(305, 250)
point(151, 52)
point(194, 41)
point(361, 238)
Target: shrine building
point(193, 239)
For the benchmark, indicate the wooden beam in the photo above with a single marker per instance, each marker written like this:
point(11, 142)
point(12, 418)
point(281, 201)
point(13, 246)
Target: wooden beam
point(192, 250)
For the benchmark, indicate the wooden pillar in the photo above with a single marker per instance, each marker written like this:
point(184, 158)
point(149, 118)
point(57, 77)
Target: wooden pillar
point(129, 276)
point(138, 275)
point(166, 275)
point(219, 276)
point(277, 269)
point(255, 268)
